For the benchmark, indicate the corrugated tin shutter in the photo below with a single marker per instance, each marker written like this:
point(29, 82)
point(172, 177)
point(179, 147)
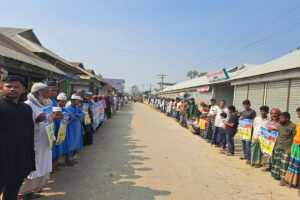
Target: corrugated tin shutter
point(203, 96)
point(294, 100)
point(256, 96)
point(240, 95)
point(277, 93)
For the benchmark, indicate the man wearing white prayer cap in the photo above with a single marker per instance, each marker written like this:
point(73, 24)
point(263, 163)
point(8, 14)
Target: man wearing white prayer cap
point(61, 96)
point(56, 109)
point(76, 97)
point(38, 99)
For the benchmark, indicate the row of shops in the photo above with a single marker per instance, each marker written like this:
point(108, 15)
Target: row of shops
point(275, 84)
point(21, 53)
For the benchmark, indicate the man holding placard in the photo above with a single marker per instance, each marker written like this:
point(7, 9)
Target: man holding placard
point(38, 100)
point(259, 121)
point(281, 158)
point(247, 114)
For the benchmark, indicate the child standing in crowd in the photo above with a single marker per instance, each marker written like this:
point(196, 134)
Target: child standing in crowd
point(281, 158)
point(292, 177)
point(248, 113)
point(75, 128)
point(57, 148)
point(196, 125)
point(259, 121)
point(231, 129)
point(221, 135)
point(178, 109)
point(193, 108)
point(204, 117)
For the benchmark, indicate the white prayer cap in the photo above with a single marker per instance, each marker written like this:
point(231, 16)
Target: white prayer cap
point(38, 86)
point(75, 97)
point(56, 109)
point(62, 96)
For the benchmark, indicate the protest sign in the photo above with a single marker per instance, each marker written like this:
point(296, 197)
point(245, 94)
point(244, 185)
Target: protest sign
point(49, 124)
point(3, 74)
point(189, 124)
point(267, 141)
point(87, 119)
point(202, 124)
point(62, 129)
point(244, 129)
point(98, 113)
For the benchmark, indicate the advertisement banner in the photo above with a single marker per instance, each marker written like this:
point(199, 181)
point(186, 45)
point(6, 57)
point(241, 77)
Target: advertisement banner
point(267, 141)
point(49, 124)
point(85, 109)
point(62, 129)
point(244, 129)
point(204, 89)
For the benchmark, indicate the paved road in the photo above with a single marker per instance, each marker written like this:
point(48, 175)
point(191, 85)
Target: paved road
point(142, 155)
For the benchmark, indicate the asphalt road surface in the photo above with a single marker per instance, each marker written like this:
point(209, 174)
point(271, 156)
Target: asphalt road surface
point(140, 154)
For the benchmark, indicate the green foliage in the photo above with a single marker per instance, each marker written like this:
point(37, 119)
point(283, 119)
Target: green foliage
point(134, 90)
point(193, 74)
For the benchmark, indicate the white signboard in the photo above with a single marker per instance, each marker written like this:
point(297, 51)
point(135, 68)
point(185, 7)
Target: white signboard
point(218, 76)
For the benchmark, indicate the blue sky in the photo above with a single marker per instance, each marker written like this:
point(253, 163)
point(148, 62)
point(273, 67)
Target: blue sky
point(137, 39)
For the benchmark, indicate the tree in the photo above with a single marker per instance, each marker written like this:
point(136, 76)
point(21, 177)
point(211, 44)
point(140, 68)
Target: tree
point(192, 74)
point(134, 90)
point(202, 74)
point(147, 92)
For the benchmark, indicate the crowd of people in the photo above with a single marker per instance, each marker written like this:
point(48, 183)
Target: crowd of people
point(218, 125)
point(27, 155)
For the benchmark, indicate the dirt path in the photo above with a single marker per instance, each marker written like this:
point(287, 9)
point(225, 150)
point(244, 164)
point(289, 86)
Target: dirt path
point(142, 155)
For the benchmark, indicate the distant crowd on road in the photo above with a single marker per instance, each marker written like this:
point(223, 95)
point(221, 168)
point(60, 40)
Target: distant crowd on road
point(37, 133)
point(221, 126)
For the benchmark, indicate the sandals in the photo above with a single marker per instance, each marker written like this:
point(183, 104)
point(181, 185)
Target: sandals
point(282, 183)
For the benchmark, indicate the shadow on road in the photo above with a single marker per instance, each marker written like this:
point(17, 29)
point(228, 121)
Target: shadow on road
point(108, 169)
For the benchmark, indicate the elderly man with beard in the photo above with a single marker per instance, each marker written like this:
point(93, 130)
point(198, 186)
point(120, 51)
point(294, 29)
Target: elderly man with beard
point(38, 99)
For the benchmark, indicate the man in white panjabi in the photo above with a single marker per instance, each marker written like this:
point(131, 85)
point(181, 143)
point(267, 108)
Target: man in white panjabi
point(38, 100)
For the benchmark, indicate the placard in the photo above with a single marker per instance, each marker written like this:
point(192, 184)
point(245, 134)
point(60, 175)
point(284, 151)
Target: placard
point(49, 124)
point(62, 129)
point(85, 109)
point(267, 141)
point(98, 113)
point(244, 129)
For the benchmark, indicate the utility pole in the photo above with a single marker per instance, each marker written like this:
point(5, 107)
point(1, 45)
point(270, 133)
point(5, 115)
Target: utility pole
point(150, 88)
point(162, 77)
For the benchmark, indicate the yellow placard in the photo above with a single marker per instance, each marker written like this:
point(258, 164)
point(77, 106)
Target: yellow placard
point(50, 133)
point(61, 134)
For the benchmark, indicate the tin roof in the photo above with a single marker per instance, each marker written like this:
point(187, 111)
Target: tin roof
point(286, 62)
point(202, 81)
point(15, 35)
point(9, 53)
